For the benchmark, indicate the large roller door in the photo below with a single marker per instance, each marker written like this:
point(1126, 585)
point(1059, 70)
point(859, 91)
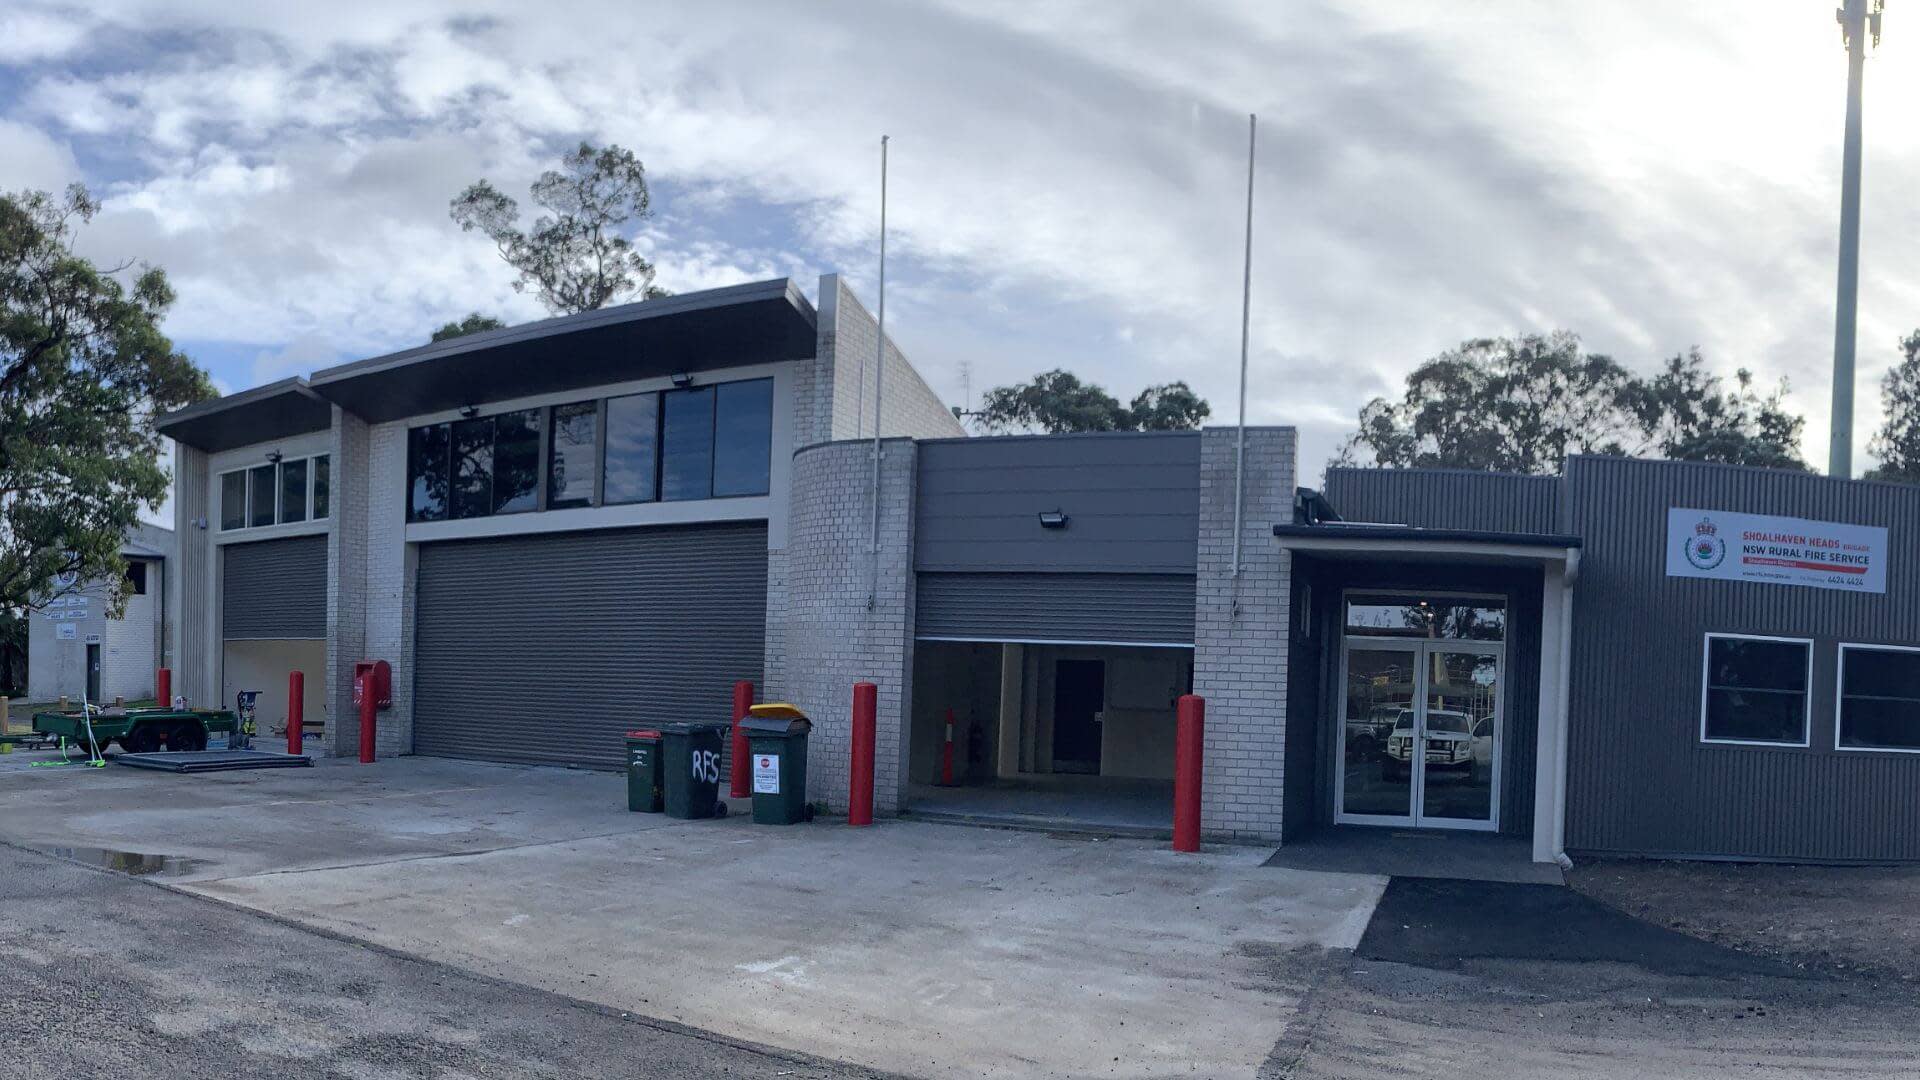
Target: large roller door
point(543, 649)
point(274, 589)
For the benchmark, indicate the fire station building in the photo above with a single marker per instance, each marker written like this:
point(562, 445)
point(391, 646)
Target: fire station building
point(559, 531)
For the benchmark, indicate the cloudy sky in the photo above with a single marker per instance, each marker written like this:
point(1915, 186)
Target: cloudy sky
point(1067, 178)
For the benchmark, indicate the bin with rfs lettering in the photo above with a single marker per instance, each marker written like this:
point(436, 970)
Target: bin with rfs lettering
point(777, 736)
point(690, 759)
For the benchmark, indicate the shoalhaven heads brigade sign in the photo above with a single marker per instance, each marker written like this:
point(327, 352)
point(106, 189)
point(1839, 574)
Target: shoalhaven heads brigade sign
point(1780, 550)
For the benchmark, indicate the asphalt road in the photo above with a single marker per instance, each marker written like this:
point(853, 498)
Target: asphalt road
point(103, 975)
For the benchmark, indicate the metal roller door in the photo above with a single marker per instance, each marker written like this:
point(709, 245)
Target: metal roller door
point(1122, 609)
point(274, 589)
point(543, 649)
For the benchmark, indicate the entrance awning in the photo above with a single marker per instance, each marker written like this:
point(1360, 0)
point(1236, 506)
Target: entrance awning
point(1370, 541)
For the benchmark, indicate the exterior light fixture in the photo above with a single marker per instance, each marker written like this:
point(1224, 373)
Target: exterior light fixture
point(1053, 519)
point(274, 457)
point(683, 379)
point(469, 412)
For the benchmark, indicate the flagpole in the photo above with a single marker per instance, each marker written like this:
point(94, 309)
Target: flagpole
point(1246, 317)
point(879, 377)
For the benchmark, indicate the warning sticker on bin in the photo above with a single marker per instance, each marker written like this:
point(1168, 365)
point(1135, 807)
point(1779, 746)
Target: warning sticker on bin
point(766, 774)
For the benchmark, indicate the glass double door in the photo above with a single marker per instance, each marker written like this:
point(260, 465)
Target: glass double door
point(1420, 733)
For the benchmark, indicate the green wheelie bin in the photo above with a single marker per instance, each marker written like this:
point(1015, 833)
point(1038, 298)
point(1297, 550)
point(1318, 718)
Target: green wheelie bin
point(643, 772)
point(690, 767)
point(777, 738)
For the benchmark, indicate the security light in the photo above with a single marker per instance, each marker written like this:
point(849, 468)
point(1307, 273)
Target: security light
point(274, 457)
point(469, 412)
point(683, 379)
point(1053, 519)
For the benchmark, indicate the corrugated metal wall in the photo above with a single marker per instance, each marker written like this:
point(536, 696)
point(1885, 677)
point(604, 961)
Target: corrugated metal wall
point(1639, 780)
point(274, 589)
point(1132, 500)
point(1447, 499)
point(543, 649)
point(1151, 609)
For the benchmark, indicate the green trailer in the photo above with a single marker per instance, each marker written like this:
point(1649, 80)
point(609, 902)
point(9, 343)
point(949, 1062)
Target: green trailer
point(138, 731)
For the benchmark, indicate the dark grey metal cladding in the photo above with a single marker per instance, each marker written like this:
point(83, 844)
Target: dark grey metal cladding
point(1447, 499)
point(1318, 653)
point(544, 649)
point(1638, 778)
point(272, 589)
point(1132, 501)
point(1145, 609)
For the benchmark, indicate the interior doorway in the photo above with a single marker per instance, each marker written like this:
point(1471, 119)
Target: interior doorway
point(1419, 742)
point(1079, 699)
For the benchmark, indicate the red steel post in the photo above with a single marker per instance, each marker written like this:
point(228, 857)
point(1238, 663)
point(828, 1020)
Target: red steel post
point(741, 776)
point(946, 755)
point(1189, 742)
point(163, 687)
point(296, 708)
point(369, 701)
point(866, 704)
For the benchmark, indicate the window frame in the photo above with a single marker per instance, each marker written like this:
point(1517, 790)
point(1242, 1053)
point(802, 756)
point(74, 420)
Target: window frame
point(1840, 696)
point(246, 494)
point(1806, 695)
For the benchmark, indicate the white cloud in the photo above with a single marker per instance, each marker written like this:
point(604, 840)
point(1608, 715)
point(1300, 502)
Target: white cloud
point(34, 159)
point(1066, 178)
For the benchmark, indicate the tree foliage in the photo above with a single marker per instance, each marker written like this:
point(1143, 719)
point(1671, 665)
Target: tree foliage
point(474, 323)
point(1057, 401)
point(1523, 404)
point(575, 257)
point(84, 369)
point(1897, 443)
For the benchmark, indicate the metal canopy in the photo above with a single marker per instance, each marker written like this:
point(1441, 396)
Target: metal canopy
point(741, 324)
point(1409, 542)
point(277, 410)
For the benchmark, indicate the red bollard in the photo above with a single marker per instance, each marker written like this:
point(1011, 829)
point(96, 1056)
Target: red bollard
point(741, 776)
point(163, 687)
point(866, 704)
point(946, 755)
point(1189, 745)
point(296, 709)
point(368, 703)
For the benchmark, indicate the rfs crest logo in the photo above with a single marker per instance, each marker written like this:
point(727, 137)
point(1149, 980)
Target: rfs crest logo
point(1705, 549)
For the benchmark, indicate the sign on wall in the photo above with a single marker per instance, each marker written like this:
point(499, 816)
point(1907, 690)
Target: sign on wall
point(66, 632)
point(1781, 550)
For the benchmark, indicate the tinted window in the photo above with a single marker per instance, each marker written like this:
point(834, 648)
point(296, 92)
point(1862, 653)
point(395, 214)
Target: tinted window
point(1756, 690)
point(427, 473)
point(1426, 617)
point(322, 480)
point(233, 500)
point(742, 437)
point(260, 495)
point(575, 455)
point(471, 492)
point(686, 444)
point(516, 461)
point(1879, 699)
point(293, 490)
point(633, 427)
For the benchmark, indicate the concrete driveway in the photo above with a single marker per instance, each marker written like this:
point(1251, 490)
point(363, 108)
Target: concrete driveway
point(920, 948)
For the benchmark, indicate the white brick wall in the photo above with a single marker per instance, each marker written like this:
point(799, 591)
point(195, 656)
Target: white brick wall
point(1240, 633)
point(848, 333)
point(822, 636)
point(346, 579)
point(388, 588)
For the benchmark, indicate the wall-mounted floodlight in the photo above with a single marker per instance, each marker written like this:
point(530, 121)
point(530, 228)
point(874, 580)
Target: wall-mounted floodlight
point(275, 457)
point(469, 412)
point(1053, 519)
point(683, 379)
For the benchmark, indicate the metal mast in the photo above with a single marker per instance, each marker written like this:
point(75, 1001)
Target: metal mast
point(1858, 19)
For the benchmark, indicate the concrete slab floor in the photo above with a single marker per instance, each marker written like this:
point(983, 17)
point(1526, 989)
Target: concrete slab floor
point(917, 948)
point(1116, 804)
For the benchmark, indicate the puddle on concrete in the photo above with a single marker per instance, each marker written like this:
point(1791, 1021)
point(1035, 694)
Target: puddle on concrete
point(131, 863)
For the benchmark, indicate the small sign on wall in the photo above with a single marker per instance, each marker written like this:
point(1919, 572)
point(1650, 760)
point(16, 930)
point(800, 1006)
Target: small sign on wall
point(66, 632)
point(1777, 550)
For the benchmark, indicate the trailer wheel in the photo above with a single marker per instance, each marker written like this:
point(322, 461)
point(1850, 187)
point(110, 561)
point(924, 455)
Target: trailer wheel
point(141, 740)
point(187, 737)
